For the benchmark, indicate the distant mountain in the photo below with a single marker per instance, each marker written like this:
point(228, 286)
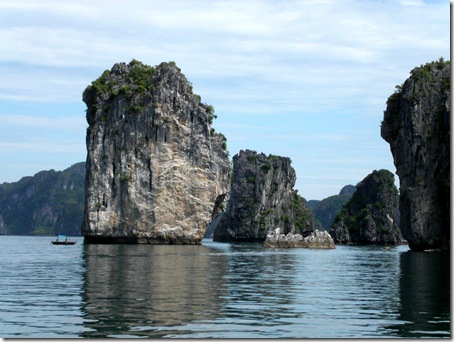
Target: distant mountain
point(49, 203)
point(325, 211)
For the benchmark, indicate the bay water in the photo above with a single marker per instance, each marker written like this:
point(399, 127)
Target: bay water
point(220, 291)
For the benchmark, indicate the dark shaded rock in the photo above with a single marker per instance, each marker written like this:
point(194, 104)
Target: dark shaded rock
point(416, 124)
point(371, 215)
point(262, 198)
point(155, 167)
point(49, 203)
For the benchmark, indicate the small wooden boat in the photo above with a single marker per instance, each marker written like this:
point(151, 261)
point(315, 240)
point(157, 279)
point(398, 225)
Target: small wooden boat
point(63, 240)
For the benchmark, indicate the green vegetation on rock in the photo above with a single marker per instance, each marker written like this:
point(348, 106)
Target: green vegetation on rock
point(134, 86)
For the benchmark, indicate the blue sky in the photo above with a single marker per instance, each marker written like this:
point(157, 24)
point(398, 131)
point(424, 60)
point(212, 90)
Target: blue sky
point(303, 79)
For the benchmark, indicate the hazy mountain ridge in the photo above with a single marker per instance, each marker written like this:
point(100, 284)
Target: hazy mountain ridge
point(48, 203)
point(325, 210)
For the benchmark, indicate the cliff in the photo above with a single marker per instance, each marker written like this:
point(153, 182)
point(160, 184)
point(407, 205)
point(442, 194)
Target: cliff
point(155, 167)
point(261, 199)
point(371, 215)
point(416, 124)
point(325, 211)
point(49, 203)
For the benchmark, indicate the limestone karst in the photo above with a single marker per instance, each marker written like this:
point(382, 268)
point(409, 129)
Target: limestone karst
point(262, 198)
point(155, 166)
point(371, 215)
point(416, 124)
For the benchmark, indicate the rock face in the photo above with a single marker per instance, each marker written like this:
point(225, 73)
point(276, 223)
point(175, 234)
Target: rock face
point(49, 203)
point(416, 124)
point(261, 199)
point(316, 240)
point(155, 167)
point(371, 215)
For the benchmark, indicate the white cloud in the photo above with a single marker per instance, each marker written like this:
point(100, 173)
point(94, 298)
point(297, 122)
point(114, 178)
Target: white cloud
point(18, 121)
point(43, 146)
point(288, 65)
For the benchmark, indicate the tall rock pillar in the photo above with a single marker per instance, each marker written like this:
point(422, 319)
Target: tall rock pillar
point(261, 199)
point(155, 167)
point(416, 124)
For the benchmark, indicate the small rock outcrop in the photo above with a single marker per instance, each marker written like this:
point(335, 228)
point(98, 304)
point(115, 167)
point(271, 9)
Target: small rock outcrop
point(262, 198)
point(317, 240)
point(416, 124)
point(371, 215)
point(155, 166)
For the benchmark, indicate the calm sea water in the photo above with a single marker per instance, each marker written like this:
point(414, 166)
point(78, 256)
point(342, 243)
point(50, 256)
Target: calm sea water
point(220, 290)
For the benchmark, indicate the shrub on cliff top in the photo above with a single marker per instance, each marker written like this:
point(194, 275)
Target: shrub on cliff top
point(140, 79)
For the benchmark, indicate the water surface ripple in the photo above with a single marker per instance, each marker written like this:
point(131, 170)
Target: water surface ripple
point(220, 290)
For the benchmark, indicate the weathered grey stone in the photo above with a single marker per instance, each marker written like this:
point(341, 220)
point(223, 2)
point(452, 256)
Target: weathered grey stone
point(154, 165)
point(317, 240)
point(416, 124)
point(261, 198)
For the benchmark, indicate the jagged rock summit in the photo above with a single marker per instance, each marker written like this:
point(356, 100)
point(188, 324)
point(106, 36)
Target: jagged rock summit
point(416, 124)
point(155, 167)
point(262, 198)
point(371, 214)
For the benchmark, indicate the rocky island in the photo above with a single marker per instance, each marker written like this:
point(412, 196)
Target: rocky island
point(371, 215)
point(416, 124)
point(155, 166)
point(317, 239)
point(261, 199)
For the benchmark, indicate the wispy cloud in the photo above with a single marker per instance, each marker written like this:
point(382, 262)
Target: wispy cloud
point(43, 146)
point(285, 66)
point(18, 121)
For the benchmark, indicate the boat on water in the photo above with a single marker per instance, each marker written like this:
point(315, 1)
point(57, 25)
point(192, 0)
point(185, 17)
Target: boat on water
point(63, 240)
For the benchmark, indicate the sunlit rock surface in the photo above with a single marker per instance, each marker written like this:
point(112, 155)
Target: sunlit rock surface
point(155, 167)
point(317, 239)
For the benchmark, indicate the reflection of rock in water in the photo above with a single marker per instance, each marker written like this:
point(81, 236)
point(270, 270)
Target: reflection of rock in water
point(130, 289)
point(424, 290)
point(261, 286)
